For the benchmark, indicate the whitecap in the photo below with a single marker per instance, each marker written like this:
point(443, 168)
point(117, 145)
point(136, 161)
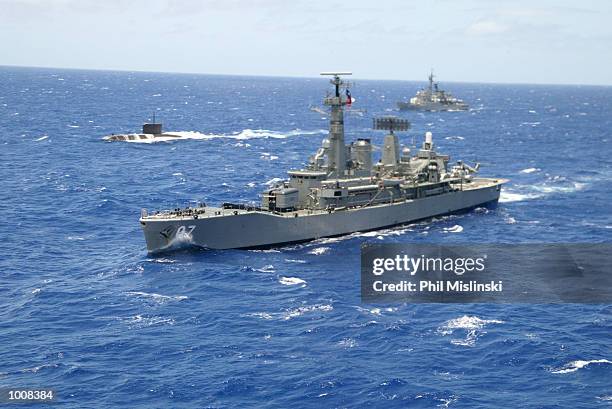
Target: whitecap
point(379, 234)
point(75, 238)
point(139, 321)
point(265, 251)
point(455, 229)
point(292, 313)
point(297, 312)
point(38, 368)
point(181, 239)
point(161, 260)
point(571, 188)
point(347, 343)
point(508, 197)
point(42, 138)
point(158, 298)
point(472, 325)
point(269, 268)
point(319, 250)
point(530, 170)
point(579, 364)
point(262, 315)
point(454, 138)
point(468, 322)
point(291, 281)
point(375, 311)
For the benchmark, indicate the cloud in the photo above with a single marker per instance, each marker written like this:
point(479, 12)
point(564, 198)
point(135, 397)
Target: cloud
point(485, 27)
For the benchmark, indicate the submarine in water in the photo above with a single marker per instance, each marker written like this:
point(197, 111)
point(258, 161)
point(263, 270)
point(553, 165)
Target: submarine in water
point(340, 190)
point(151, 132)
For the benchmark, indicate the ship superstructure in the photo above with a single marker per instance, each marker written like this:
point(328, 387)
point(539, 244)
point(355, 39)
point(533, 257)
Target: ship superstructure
point(432, 98)
point(340, 190)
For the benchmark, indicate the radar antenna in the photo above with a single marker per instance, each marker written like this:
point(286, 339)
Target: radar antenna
point(390, 123)
point(337, 81)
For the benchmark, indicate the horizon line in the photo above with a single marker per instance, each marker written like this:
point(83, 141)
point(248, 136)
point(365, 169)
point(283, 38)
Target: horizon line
point(287, 76)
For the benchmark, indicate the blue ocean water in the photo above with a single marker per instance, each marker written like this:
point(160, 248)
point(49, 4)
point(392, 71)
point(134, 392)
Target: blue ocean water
point(86, 311)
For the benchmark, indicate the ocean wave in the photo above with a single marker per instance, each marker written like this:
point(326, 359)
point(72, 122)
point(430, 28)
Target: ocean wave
point(264, 251)
point(157, 298)
point(262, 315)
point(139, 321)
point(537, 191)
point(268, 156)
point(380, 234)
point(181, 239)
point(569, 187)
point(37, 369)
point(292, 313)
point(348, 343)
point(468, 322)
point(375, 311)
point(292, 281)
point(319, 251)
point(42, 138)
point(160, 260)
point(579, 364)
point(509, 196)
point(298, 312)
point(530, 170)
point(472, 325)
point(269, 268)
point(455, 229)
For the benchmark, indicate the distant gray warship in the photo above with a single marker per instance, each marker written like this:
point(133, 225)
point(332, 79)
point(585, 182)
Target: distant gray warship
point(433, 99)
point(339, 191)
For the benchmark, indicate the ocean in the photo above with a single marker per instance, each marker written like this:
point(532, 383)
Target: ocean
point(85, 310)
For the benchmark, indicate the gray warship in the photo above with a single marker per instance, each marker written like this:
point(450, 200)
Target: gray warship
point(339, 191)
point(433, 98)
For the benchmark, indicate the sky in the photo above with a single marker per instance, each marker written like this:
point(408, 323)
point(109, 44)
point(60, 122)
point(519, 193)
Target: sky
point(537, 41)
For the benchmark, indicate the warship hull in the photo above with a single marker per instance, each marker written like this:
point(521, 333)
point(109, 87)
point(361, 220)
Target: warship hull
point(243, 229)
point(407, 106)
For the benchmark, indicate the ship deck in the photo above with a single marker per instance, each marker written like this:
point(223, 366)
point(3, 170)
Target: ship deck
point(213, 212)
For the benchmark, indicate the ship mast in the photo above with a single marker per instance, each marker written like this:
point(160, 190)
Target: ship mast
point(336, 165)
